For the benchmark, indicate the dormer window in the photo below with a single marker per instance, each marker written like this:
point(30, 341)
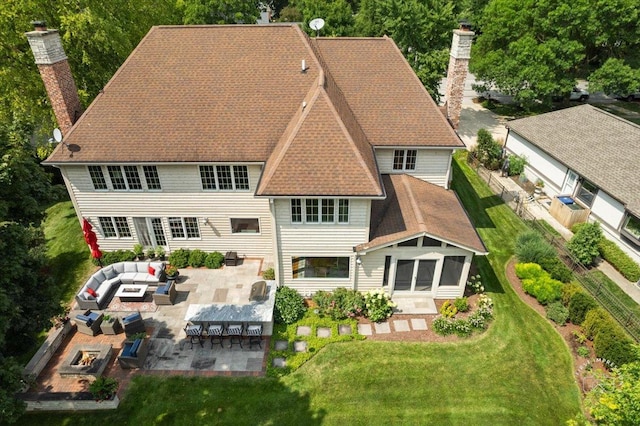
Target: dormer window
point(404, 159)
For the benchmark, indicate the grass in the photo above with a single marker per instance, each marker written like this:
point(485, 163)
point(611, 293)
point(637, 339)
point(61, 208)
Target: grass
point(620, 295)
point(518, 372)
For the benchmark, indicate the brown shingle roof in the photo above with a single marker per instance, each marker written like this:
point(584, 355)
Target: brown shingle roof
point(318, 146)
point(599, 146)
point(385, 95)
point(413, 208)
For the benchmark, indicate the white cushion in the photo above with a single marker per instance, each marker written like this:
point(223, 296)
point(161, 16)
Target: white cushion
point(118, 267)
point(128, 277)
point(93, 283)
point(109, 272)
point(130, 267)
point(142, 267)
point(99, 276)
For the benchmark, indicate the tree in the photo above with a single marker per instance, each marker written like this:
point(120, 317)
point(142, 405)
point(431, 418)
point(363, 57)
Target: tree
point(533, 50)
point(616, 399)
point(219, 11)
point(584, 243)
point(615, 77)
point(337, 15)
point(11, 408)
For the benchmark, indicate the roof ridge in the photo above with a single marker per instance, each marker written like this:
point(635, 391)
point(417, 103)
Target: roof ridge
point(414, 203)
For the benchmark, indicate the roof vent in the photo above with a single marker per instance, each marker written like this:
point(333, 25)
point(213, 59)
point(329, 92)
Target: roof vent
point(304, 66)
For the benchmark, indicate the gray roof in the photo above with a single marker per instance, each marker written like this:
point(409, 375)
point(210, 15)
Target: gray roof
point(597, 145)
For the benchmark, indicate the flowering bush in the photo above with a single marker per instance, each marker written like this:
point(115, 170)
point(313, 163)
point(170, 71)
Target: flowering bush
point(379, 305)
point(289, 306)
point(171, 271)
point(475, 284)
point(448, 310)
point(464, 327)
point(342, 303)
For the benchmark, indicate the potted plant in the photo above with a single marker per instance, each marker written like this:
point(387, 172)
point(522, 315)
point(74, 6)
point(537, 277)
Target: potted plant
point(103, 388)
point(172, 272)
point(539, 186)
point(160, 252)
point(151, 253)
point(138, 250)
point(140, 335)
point(110, 324)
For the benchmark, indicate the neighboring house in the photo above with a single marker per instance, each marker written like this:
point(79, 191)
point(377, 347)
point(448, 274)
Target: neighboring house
point(591, 155)
point(325, 157)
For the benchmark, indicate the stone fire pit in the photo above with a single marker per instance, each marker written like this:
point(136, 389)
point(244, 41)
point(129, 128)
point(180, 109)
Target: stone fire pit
point(86, 360)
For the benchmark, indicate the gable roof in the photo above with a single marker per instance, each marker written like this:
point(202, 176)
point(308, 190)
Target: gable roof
point(413, 208)
point(597, 145)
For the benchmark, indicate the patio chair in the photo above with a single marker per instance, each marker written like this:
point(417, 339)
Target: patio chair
point(194, 332)
point(89, 322)
point(234, 331)
point(133, 354)
point(165, 294)
point(215, 332)
point(133, 323)
point(254, 332)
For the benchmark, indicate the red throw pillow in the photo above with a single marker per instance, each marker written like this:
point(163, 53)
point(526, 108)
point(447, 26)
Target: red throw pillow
point(151, 270)
point(92, 292)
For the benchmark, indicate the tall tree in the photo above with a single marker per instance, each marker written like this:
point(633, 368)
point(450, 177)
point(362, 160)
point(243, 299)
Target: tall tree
point(219, 11)
point(337, 14)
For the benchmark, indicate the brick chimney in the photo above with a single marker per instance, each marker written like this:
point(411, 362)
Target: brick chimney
point(457, 71)
point(56, 74)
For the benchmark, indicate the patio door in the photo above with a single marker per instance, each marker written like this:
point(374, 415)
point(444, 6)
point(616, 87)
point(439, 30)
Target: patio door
point(150, 231)
point(415, 276)
point(570, 183)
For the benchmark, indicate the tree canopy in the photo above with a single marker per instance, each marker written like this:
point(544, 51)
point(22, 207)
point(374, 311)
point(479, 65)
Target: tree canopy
point(534, 49)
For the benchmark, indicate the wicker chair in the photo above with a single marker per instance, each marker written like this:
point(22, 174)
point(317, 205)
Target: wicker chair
point(133, 324)
point(133, 354)
point(165, 294)
point(89, 322)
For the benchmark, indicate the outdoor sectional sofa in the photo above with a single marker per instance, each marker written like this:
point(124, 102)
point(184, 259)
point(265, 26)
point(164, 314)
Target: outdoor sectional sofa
point(105, 282)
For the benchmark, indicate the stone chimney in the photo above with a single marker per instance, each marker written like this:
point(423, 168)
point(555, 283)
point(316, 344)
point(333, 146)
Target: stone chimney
point(457, 71)
point(56, 74)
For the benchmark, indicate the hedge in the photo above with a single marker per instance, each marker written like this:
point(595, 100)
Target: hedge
point(579, 305)
point(610, 342)
point(619, 260)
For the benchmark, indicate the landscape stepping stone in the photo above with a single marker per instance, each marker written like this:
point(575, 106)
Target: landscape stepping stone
point(282, 345)
point(279, 362)
point(365, 329)
point(303, 330)
point(299, 346)
point(401, 325)
point(344, 329)
point(418, 323)
point(382, 328)
point(324, 332)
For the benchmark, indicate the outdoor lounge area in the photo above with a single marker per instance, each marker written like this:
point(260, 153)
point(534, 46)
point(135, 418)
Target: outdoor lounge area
point(166, 347)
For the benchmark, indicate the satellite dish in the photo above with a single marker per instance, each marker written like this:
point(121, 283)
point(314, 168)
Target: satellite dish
point(57, 135)
point(316, 24)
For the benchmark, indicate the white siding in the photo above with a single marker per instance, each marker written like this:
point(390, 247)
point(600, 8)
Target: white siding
point(181, 196)
point(540, 165)
point(608, 211)
point(432, 165)
point(320, 240)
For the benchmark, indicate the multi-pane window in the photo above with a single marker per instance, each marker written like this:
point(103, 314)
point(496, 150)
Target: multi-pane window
point(328, 210)
point(133, 178)
point(316, 210)
point(296, 210)
point(117, 177)
point(343, 210)
point(311, 210)
point(151, 176)
point(404, 159)
point(158, 232)
point(184, 227)
point(586, 192)
point(115, 227)
point(97, 177)
point(225, 178)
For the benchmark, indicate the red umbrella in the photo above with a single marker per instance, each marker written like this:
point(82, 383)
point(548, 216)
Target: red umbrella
point(91, 239)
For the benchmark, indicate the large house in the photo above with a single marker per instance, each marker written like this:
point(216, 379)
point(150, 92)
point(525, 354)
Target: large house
point(325, 157)
point(591, 155)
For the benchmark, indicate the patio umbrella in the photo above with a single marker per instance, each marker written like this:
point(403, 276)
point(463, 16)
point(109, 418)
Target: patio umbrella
point(92, 240)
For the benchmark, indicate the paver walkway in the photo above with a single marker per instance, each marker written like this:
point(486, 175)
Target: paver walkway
point(393, 325)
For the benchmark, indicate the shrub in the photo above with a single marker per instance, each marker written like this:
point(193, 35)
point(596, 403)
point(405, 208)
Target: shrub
point(477, 320)
point(340, 304)
point(619, 259)
point(545, 289)
point(197, 258)
point(160, 252)
point(557, 313)
point(269, 274)
point(116, 256)
point(529, 270)
point(584, 244)
point(556, 268)
point(150, 253)
point(443, 326)
point(461, 304)
point(138, 250)
point(485, 306)
point(516, 164)
point(593, 321)
point(289, 306)
point(462, 327)
point(475, 284)
point(379, 305)
point(579, 305)
point(612, 344)
point(180, 258)
point(488, 150)
point(531, 247)
point(323, 300)
point(103, 388)
point(583, 351)
point(212, 260)
point(568, 291)
point(448, 310)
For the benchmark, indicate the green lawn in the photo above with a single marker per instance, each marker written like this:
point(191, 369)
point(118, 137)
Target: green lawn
point(622, 297)
point(518, 372)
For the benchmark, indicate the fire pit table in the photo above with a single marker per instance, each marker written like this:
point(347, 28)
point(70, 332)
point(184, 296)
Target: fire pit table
point(86, 360)
point(132, 292)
